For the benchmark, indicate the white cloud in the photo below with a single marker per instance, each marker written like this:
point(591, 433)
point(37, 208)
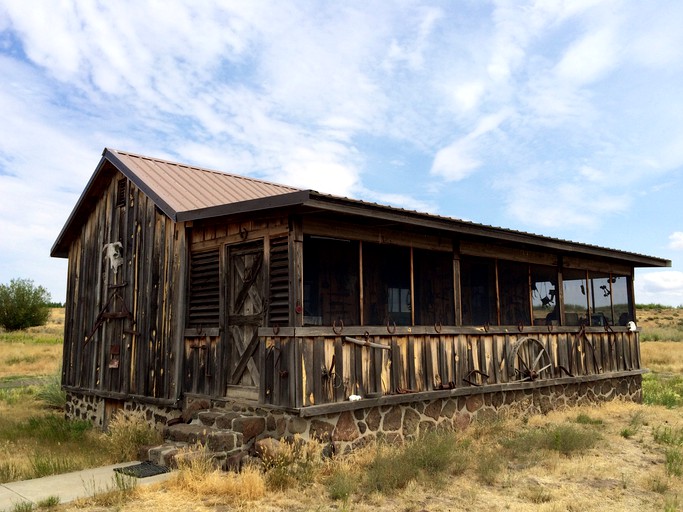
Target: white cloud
point(461, 158)
point(676, 240)
point(659, 287)
point(589, 58)
point(536, 101)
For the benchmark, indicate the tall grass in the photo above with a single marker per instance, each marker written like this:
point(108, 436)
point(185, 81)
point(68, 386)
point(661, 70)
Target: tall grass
point(128, 432)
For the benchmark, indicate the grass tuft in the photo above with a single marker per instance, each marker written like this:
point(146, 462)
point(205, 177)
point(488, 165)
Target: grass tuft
point(585, 419)
point(674, 461)
point(128, 432)
point(52, 394)
point(295, 464)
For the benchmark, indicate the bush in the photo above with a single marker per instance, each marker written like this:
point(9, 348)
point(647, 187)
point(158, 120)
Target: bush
point(23, 305)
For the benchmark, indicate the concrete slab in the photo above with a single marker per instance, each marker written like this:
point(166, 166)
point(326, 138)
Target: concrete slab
point(69, 486)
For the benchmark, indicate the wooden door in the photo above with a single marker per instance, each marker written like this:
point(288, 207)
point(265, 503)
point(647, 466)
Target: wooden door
point(246, 301)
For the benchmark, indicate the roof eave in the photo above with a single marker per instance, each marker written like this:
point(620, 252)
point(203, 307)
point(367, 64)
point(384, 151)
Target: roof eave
point(291, 199)
point(341, 205)
point(128, 173)
point(60, 248)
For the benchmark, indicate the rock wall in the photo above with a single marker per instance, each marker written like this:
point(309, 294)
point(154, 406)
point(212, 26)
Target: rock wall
point(232, 429)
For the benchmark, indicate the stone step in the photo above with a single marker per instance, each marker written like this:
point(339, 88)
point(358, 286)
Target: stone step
point(164, 454)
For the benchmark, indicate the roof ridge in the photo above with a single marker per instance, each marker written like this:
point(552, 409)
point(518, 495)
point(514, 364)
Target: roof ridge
point(202, 169)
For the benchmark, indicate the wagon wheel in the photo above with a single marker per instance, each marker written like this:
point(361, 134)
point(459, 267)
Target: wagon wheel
point(528, 360)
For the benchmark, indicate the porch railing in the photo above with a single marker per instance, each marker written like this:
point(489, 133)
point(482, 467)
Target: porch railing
point(311, 366)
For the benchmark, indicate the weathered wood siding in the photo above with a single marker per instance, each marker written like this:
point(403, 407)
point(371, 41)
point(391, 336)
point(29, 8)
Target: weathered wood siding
point(314, 366)
point(123, 330)
point(218, 360)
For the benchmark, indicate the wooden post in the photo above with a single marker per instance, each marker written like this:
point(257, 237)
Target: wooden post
point(457, 288)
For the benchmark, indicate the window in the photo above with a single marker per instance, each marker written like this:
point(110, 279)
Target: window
point(513, 285)
point(623, 313)
point(575, 291)
point(331, 281)
point(600, 299)
point(478, 284)
point(544, 297)
point(433, 281)
point(386, 285)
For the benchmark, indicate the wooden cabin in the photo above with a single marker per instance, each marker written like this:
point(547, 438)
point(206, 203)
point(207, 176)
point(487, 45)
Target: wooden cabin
point(187, 284)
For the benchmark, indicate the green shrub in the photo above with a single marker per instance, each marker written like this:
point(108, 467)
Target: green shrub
point(23, 305)
point(660, 391)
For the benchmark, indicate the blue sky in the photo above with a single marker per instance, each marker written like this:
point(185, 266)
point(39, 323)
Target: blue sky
point(561, 118)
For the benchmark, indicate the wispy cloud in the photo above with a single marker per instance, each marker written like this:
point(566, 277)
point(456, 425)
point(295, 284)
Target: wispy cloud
point(676, 240)
point(535, 105)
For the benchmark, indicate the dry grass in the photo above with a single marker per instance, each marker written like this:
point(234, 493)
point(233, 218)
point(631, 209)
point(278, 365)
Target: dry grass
point(502, 466)
point(36, 351)
point(663, 356)
point(616, 474)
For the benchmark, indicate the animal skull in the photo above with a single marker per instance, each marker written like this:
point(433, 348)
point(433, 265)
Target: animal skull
point(112, 252)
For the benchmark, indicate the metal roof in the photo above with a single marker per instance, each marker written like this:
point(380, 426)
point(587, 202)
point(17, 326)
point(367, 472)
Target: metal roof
point(183, 188)
point(186, 193)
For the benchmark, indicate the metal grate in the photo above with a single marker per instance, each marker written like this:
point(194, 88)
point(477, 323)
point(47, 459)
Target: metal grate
point(204, 296)
point(278, 312)
point(142, 470)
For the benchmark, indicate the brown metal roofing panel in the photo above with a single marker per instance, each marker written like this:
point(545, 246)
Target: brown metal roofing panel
point(186, 188)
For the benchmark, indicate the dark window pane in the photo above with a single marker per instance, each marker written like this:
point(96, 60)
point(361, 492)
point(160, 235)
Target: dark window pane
point(478, 288)
point(575, 297)
point(433, 281)
point(544, 295)
point(330, 281)
point(386, 284)
point(513, 280)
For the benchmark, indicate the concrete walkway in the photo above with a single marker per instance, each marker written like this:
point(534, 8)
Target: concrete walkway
point(67, 487)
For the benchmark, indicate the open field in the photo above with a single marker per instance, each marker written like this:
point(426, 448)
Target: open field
point(34, 352)
point(615, 457)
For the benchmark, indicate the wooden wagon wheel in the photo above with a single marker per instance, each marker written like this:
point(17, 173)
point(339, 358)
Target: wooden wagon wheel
point(528, 360)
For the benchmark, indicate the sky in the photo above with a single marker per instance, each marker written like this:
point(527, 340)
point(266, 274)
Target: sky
point(560, 118)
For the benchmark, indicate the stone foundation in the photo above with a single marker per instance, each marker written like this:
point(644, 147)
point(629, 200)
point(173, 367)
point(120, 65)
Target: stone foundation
point(232, 429)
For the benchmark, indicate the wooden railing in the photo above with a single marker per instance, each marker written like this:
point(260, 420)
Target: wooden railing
point(310, 366)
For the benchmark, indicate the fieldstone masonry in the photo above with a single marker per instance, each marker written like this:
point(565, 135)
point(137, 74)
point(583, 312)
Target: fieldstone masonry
point(230, 430)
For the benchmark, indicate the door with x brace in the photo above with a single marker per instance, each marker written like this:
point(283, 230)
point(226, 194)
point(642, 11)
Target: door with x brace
point(246, 308)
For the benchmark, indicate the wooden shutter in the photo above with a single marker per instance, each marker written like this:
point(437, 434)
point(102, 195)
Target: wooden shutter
point(204, 293)
point(278, 309)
